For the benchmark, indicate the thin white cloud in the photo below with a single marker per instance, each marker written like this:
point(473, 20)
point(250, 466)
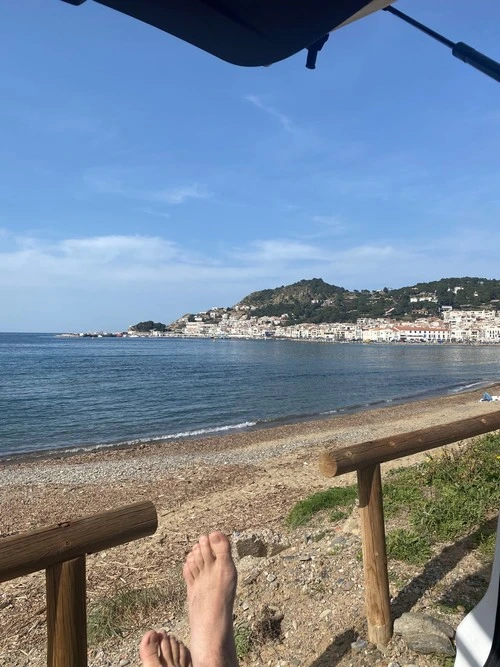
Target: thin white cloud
point(124, 258)
point(107, 183)
point(292, 142)
point(152, 211)
point(179, 195)
point(109, 249)
point(282, 118)
point(281, 251)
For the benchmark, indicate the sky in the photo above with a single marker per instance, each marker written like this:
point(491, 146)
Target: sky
point(142, 178)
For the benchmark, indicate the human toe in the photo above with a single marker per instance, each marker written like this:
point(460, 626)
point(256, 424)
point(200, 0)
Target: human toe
point(219, 544)
point(149, 648)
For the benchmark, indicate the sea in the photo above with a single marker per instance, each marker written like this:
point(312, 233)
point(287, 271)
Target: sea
point(84, 393)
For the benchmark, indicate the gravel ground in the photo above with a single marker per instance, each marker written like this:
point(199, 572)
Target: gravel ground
point(154, 467)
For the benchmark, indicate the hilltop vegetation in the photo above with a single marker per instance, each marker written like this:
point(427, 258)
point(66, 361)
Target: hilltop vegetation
point(317, 301)
point(149, 325)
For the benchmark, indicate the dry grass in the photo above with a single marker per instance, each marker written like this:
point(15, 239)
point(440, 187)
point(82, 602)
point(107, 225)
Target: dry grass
point(120, 613)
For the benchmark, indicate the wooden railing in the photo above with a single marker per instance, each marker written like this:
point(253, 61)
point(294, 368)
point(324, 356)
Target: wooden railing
point(365, 458)
point(61, 551)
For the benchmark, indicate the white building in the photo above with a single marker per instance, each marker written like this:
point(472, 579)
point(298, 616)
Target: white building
point(413, 334)
point(424, 297)
point(378, 335)
point(492, 334)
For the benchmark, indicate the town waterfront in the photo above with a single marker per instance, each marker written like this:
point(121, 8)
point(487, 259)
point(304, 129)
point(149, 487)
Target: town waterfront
point(71, 393)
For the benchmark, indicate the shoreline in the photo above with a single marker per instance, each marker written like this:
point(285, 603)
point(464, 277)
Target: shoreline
point(57, 453)
point(248, 447)
point(125, 336)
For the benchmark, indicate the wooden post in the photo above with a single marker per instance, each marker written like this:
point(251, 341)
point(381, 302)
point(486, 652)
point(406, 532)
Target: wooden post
point(378, 611)
point(66, 614)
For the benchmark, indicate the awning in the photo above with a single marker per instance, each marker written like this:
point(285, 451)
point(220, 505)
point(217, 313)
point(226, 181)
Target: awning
point(248, 32)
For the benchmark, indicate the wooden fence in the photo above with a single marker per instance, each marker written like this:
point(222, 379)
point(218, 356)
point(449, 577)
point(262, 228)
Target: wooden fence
point(365, 458)
point(61, 551)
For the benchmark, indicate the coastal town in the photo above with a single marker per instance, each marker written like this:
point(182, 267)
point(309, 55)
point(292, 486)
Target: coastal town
point(464, 310)
point(454, 326)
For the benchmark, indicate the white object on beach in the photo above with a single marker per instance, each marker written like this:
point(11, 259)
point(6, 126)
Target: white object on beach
point(478, 635)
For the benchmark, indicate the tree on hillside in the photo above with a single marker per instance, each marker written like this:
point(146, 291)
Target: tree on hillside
point(149, 325)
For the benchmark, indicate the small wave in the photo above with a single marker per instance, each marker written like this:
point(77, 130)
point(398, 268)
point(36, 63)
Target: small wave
point(200, 431)
point(6, 456)
point(170, 436)
point(471, 385)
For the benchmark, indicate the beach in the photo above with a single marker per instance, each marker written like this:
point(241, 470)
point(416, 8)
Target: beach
point(236, 482)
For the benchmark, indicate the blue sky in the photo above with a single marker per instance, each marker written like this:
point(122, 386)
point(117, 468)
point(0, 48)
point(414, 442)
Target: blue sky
point(141, 178)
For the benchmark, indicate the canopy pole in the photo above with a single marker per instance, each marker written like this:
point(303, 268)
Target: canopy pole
point(460, 50)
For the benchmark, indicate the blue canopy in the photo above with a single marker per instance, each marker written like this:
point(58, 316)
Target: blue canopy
point(248, 32)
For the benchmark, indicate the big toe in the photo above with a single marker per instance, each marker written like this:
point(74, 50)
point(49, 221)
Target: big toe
point(149, 648)
point(219, 544)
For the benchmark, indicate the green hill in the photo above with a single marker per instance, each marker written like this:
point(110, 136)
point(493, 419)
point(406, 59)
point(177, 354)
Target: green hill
point(149, 325)
point(317, 301)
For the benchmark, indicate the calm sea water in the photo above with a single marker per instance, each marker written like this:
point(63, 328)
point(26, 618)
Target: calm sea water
point(65, 393)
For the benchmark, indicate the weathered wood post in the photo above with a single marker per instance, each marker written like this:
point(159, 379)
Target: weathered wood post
point(371, 510)
point(61, 551)
point(365, 458)
point(66, 614)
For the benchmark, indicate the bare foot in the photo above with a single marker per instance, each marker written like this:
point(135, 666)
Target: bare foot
point(211, 576)
point(159, 649)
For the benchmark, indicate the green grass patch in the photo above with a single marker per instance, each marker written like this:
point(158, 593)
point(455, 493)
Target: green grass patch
point(397, 579)
point(408, 546)
point(462, 489)
point(447, 662)
point(334, 498)
point(442, 499)
point(243, 640)
point(402, 490)
point(317, 537)
point(338, 515)
point(446, 608)
point(486, 546)
point(118, 614)
point(446, 497)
